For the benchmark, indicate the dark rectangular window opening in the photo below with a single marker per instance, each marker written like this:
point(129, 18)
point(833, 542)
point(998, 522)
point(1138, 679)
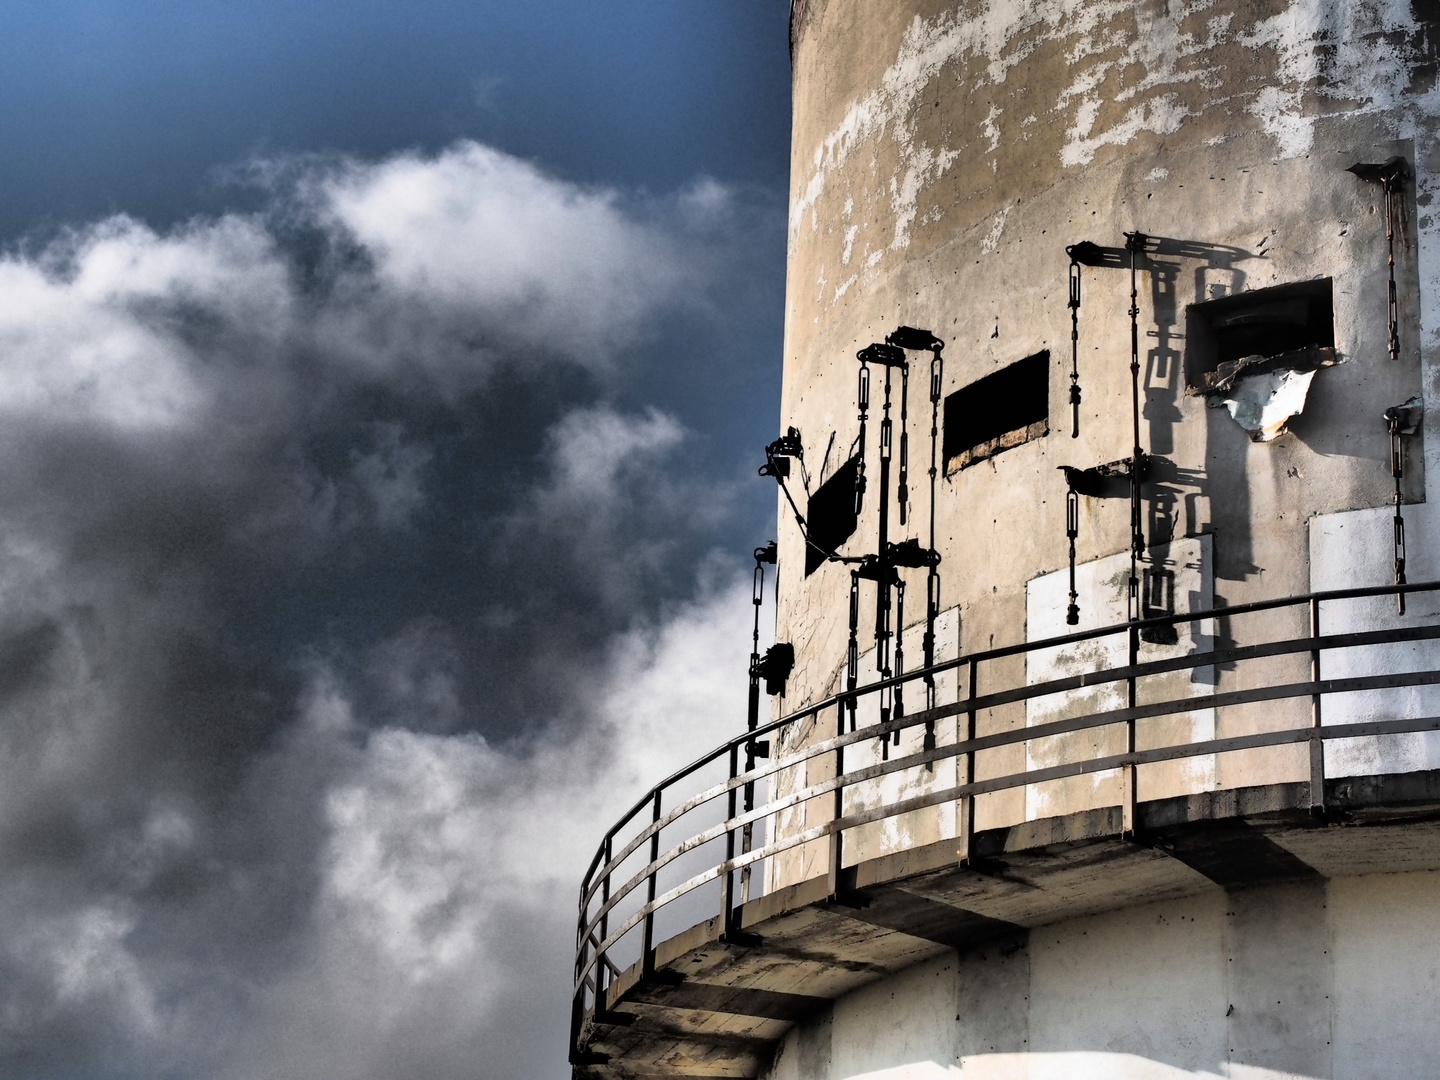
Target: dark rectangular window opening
point(1247, 330)
point(999, 412)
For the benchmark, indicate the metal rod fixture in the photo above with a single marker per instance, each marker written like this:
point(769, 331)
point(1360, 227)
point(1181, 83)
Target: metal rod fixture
point(1074, 344)
point(1400, 420)
point(1072, 531)
point(1135, 245)
point(1097, 481)
point(1394, 421)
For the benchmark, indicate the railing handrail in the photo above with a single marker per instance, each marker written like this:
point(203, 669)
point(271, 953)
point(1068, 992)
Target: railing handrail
point(1013, 780)
point(996, 653)
point(1013, 695)
point(592, 949)
point(1064, 726)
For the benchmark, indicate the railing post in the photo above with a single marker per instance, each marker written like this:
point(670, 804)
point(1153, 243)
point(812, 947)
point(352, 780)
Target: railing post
point(577, 1002)
point(648, 949)
point(727, 879)
point(601, 966)
point(1317, 746)
point(837, 839)
point(1127, 771)
point(965, 827)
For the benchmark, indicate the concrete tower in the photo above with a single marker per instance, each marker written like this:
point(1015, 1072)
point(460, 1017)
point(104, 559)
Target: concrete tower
point(1103, 737)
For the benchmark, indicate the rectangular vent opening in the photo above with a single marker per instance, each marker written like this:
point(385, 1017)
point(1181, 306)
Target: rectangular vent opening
point(999, 412)
point(1242, 332)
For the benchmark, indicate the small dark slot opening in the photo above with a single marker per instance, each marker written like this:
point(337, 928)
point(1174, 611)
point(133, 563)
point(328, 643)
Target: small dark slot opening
point(1000, 411)
point(830, 515)
point(1286, 319)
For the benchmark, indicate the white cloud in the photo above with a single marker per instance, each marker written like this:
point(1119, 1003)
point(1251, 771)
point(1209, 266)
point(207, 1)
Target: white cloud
point(251, 826)
point(555, 264)
point(467, 255)
point(444, 852)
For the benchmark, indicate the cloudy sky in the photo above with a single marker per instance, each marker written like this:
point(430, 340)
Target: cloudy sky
point(381, 389)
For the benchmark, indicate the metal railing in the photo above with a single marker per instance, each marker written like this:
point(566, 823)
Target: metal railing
point(622, 897)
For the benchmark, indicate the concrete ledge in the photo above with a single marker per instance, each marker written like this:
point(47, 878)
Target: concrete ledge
point(715, 1008)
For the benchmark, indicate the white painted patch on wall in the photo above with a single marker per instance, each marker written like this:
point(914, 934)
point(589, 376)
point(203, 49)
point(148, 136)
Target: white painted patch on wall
point(1353, 550)
point(1160, 116)
point(1103, 585)
point(992, 129)
point(992, 239)
point(923, 826)
point(1330, 58)
point(1346, 52)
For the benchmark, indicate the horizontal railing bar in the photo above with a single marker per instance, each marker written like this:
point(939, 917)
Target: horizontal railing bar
point(1155, 755)
point(1010, 650)
point(1189, 661)
point(1019, 735)
point(1002, 651)
point(1008, 697)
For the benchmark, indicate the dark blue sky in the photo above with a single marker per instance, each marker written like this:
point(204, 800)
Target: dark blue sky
point(382, 387)
point(139, 105)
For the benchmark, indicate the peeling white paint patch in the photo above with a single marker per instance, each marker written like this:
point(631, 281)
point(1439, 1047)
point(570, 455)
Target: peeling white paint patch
point(992, 240)
point(1346, 51)
point(1133, 70)
point(1157, 174)
point(1162, 117)
point(992, 129)
point(850, 235)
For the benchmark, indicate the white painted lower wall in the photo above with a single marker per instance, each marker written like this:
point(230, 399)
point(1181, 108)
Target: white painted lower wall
point(1326, 979)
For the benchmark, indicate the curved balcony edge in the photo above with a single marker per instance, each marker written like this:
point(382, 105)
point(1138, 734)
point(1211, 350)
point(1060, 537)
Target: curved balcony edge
point(1139, 818)
point(714, 1001)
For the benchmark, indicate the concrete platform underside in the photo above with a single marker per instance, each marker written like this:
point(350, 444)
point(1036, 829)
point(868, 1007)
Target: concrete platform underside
point(716, 1005)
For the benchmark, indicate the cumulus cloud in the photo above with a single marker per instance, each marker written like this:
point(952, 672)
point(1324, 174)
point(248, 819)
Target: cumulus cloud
point(346, 583)
point(551, 264)
point(450, 867)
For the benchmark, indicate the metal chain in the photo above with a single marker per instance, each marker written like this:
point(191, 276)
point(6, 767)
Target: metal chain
point(902, 492)
point(1072, 530)
point(899, 709)
point(1394, 419)
point(882, 599)
point(852, 655)
point(1393, 304)
point(1074, 349)
point(863, 397)
point(932, 580)
point(1135, 244)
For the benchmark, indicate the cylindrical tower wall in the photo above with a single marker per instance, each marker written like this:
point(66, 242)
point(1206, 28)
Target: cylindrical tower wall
point(944, 158)
point(1195, 846)
point(1310, 979)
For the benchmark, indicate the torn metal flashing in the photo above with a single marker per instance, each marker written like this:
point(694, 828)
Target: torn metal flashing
point(1405, 418)
point(1264, 393)
point(1225, 376)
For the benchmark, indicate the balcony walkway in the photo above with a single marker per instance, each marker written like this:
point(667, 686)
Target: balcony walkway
point(665, 988)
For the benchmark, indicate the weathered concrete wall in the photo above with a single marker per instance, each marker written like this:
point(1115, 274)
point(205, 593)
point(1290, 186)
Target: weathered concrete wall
point(943, 157)
point(1314, 979)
